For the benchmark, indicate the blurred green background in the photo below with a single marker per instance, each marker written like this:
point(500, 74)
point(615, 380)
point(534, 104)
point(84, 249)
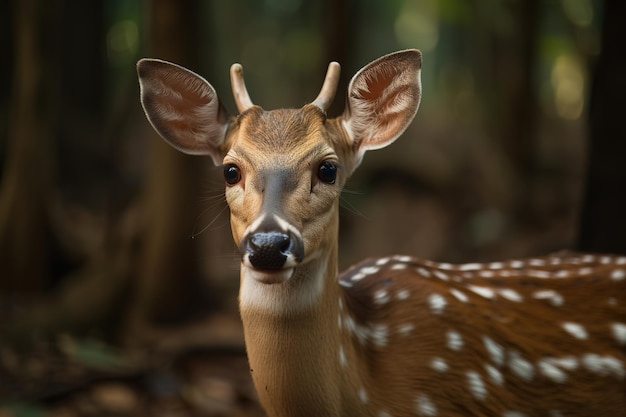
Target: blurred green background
point(118, 275)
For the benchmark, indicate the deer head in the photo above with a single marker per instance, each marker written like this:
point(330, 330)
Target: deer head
point(284, 169)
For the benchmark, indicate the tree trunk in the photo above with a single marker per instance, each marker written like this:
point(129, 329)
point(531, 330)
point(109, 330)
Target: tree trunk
point(168, 275)
point(603, 227)
point(25, 238)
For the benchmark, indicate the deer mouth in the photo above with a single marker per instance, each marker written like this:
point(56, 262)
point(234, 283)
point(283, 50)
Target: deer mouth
point(268, 276)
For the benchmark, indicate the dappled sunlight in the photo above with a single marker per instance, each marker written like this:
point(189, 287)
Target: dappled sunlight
point(417, 23)
point(122, 42)
point(568, 84)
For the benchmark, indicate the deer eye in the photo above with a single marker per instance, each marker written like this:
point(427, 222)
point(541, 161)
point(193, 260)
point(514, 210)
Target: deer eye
point(232, 174)
point(327, 172)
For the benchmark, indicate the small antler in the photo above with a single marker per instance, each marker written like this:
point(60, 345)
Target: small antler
point(240, 93)
point(329, 88)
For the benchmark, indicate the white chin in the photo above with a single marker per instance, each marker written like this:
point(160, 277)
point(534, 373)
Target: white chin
point(278, 276)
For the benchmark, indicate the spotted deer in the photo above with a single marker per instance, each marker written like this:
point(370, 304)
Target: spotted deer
point(393, 336)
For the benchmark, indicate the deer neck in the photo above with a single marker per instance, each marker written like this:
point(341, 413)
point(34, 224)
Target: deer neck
point(293, 341)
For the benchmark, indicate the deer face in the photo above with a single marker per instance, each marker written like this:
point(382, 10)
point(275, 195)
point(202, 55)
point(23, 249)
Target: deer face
point(283, 173)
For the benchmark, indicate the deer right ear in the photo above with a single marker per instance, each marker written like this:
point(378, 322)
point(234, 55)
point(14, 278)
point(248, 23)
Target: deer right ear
point(183, 108)
point(383, 98)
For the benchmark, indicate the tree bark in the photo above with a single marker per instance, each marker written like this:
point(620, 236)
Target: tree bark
point(25, 237)
point(169, 275)
point(602, 224)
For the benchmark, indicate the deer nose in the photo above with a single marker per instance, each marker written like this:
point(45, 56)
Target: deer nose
point(273, 250)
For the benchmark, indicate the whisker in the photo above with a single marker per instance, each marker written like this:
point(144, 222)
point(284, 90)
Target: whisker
point(347, 205)
point(195, 232)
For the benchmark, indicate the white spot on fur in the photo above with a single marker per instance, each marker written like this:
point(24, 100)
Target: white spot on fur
point(381, 297)
point(619, 332)
point(618, 274)
point(358, 276)
point(383, 414)
point(379, 334)
point(485, 292)
point(517, 264)
point(446, 266)
point(520, 366)
point(424, 406)
point(555, 261)
point(382, 261)
point(362, 333)
point(550, 370)
point(576, 330)
point(511, 295)
point(476, 385)
point(441, 275)
point(363, 395)
point(437, 303)
point(470, 267)
point(439, 365)
point(486, 273)
point(588, 258)
point(370, 270)
point(403, 294)
point(603, 365)
point(495, 350)
point(401, 258)
point(459, 295)
point(423, 272)
point(542, 274)
point(406, 329)
point(495, 375)
point(605, 260)
point(397, 267)
point(496, 265)
point(552, 296)
point(621, 260)
point(569, 363)
point(537, 262)
point(342, 357)
point(454, 340)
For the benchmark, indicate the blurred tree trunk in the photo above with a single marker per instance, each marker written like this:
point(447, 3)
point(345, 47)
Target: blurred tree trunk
point(25, 236)
point(516, 72)
point(603, 226)
point(168, 275)
point(338, 30)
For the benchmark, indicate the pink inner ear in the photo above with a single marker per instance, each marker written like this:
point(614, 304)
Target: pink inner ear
point(183, 108)
point(383, 100)
point(376, 85)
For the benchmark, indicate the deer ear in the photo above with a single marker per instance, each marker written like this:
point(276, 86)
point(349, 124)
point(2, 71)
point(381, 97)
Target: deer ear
point(183, 108)
point(383, 98)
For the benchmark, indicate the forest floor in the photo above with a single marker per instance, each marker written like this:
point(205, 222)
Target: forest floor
point(67, 376)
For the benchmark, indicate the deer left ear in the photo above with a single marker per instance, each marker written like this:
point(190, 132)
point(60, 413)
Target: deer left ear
point(183, 108)
point(383, 98)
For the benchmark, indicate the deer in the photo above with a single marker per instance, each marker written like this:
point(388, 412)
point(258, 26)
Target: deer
point(397, 335)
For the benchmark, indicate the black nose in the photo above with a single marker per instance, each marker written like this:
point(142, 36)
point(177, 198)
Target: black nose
point(269, 250)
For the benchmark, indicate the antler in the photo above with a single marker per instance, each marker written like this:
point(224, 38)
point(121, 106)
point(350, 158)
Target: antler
point(240, 93)
point(327, 93)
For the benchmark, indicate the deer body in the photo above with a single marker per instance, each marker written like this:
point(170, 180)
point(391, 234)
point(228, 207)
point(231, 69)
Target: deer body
point(395, 336)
